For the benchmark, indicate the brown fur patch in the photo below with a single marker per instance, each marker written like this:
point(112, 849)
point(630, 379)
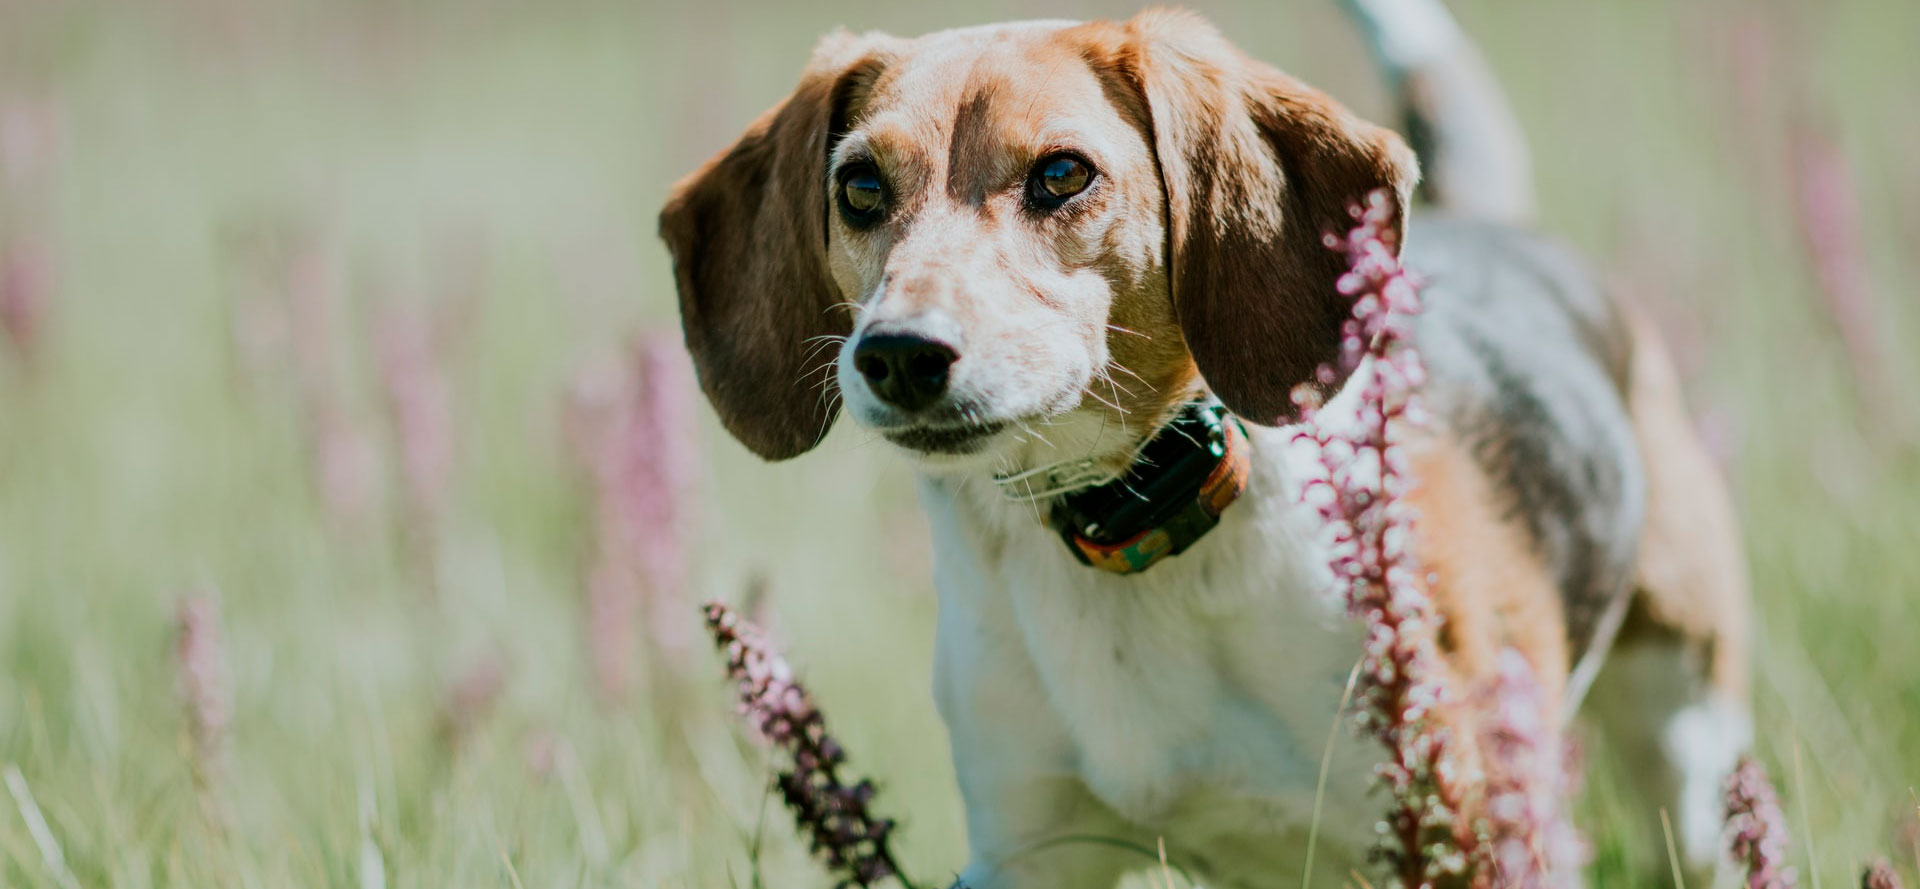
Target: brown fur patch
point(1691, 572)
point(1486, 579)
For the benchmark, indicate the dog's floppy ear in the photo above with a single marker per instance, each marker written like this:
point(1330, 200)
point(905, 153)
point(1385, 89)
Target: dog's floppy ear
point(1258, 168)
point(749, 240)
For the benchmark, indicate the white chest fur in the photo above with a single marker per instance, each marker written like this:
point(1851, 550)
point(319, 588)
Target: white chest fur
point(1190, 702)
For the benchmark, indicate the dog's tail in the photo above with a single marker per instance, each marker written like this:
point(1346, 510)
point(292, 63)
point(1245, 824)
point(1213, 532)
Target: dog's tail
point(1473, 155)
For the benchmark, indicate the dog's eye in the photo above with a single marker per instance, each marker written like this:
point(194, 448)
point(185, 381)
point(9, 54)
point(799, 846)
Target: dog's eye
point(1057, 178)
point(861, 193)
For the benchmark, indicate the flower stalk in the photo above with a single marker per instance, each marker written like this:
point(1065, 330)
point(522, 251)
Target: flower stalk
point(848, 837)
point(1447, 823)
point(1426, 839)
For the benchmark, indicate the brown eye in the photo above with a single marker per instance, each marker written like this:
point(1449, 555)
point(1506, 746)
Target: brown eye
point(1060, 177)
point(860, 195)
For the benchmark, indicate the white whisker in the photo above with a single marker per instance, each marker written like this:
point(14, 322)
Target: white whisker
point(1114, 405)
point(1036, 434)
point(1129, 372)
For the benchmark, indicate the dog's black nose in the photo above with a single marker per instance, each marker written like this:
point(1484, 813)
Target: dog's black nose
point(906, 371)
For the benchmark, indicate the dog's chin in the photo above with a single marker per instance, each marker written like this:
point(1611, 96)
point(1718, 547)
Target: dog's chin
point(975, 435)
point(948, 446)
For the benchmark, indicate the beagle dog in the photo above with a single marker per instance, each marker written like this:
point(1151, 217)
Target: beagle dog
point(1074, 272)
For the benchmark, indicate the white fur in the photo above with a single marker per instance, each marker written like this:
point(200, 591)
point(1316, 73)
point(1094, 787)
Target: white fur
point(1191, 702)
point(1408, 34)
point(1704, 740)
point(1678, 737)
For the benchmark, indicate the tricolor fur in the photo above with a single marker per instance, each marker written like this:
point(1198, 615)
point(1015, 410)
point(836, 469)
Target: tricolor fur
point(1562, 497)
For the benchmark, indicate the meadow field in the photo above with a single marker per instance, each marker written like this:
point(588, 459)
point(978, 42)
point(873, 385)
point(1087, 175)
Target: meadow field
point(332, 553)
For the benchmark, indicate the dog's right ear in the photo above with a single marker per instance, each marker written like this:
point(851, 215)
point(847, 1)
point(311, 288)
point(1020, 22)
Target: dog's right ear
point(1257, 168)
point(748, 233)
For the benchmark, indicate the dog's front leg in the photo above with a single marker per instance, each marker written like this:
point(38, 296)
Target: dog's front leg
point(1045, 833)
point(1031, 822)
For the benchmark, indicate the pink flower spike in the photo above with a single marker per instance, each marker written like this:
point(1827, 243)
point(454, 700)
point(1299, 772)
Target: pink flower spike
point(1880, 875)
point(612, 604)
point(1827, 206)
point(26, 286)
point(666, 470)
point(1425, 837)
point(346, 463)
point(1531, 839)
point(633, 428)
point(848, 837)
point(412, 370)
point(1757, 828)
point(203, 683)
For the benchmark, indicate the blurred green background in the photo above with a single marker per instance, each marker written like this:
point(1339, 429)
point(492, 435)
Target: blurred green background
point(297, 295)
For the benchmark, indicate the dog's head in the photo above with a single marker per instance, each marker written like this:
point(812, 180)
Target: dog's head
point(1022, 243)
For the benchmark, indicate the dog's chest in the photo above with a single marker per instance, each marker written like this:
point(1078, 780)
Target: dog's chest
point(1194, 699)
point(1184, 711)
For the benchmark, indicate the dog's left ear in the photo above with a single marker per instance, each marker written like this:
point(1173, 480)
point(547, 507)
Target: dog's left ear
point(748, 232)
point(1258, 169)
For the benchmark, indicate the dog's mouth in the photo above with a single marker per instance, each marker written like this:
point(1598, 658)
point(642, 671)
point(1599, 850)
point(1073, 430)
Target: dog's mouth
point(946, 440)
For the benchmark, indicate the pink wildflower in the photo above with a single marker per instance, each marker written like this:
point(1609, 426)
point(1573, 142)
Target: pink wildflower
point(851, 839)
point(346, 463)
point(26, 282)
point(1828, 209)
point(545, 748)
point(1757, 828)
point(1880, 875)
point(1403, 686)
point(345, 459)
point(413, 374)
point(32, 139)
point(657, 477)
point(612, 606)
point(633, 430)
point(1530, 839)
point(205, 687)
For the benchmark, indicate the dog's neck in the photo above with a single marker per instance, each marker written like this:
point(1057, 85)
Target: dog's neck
point(1150, 495)
point(1174, 494)
point(983, 537)
point(1277, 454)
point(1096, 443)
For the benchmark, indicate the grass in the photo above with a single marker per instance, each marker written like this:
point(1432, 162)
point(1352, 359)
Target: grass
point(520, 152)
